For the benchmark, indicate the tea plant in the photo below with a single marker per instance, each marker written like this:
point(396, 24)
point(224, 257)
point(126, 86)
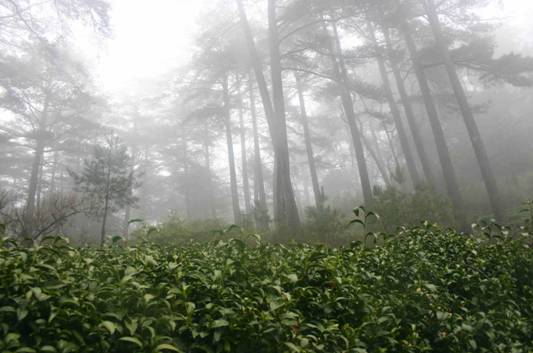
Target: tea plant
point(426, 290)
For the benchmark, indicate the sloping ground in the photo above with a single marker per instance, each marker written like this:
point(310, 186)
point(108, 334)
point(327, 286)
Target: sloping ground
point(426, 290)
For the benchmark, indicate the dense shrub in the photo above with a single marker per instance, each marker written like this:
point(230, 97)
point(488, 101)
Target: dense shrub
point(176, 230)
point(400, 208)
point(427, 289)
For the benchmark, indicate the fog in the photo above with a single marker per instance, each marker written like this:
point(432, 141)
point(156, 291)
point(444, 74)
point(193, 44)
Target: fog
point(277, 116)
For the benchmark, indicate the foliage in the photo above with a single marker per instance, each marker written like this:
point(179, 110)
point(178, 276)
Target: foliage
point(52, 213)
point(176, 231)
point(107, 177)
point(325, 224)
point(425, 290)
point(399, 208)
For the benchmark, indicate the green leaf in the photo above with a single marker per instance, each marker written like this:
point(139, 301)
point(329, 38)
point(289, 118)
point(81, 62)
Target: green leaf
point(220, 323)
point(431, 287)
point(26, 350)
point(110, 326)
point(293, 347)
point(293, 278)
point(132, 340)
point(147, 297)
point(168, 347)
point(12, 337)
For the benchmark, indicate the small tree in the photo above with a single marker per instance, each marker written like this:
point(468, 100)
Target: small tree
point(107, 180)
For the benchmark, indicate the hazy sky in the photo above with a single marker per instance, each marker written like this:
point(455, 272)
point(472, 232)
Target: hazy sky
point(150, 37)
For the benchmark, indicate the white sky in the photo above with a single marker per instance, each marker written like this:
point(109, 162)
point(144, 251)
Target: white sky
point(151, 37)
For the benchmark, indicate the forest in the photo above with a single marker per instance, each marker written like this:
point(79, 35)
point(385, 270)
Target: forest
point(266, 175)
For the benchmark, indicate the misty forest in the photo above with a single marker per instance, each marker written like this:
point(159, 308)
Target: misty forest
point(266, 176)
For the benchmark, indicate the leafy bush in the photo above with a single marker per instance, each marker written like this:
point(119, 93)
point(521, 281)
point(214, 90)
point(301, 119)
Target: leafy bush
point(177, 231)
point(326, 225)
point(426, 290)
point(410, 209)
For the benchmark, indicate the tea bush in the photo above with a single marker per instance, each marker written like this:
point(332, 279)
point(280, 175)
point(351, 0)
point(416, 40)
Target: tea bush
point(425, 290)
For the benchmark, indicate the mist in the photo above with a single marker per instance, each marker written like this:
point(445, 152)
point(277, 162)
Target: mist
point(266, 176)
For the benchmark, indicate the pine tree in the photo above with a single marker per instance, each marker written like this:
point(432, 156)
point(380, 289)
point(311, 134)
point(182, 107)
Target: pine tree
point(107, 180)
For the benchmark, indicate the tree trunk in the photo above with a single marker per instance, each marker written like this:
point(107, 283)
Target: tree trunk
point(259, 182)
point(395, 111)
point(319, 198)
point(468, 117)
point(347, 102)
point(231, 154)
point(207, 157)
point(244, 154)
point(32, 190)
point(127, 211)
point(376, 155)
point(106, 205)
point(409, 113)
point(54, 173)
point(285, 211)
point(438, 133)
point(188, 206)
point(286, 214)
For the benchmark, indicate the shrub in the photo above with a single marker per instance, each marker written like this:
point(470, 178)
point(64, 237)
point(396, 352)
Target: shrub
point(398, 208)
point(426, 290)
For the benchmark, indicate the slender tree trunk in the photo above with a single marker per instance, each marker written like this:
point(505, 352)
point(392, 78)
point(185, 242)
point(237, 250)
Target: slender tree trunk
point(39, 192)
point(347, 102)
point(395, 111)
point(188, 201)
point(127, 211)
point(259, 182)
point(376, 155)
point(468, 117)
point(286, 214)
point(32, 190)
point(54, 172)
point(285, 210)
point(438, 133)
point(260, 204)
point(207, 157)
point(244, 154)
point(231, 155)
point(409, 113)
point(106, 204)
point(319, 198)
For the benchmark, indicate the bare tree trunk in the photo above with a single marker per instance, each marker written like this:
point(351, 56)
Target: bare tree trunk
point(285, 210)
point(261, 210)
point(39, 192)
point(259, 182)
point(286, 214)
point(319, 198)
point(106, 204)
point(32, 190)
point(54, 172)
point(438, 133)
point(231, 155)
point(207, 157)
point(127, 211)
point(188, 206)
point(376, 155)
point(402, 135)
point(244, 155)
point(409, 113)
point(468, 117)
point(347, 102)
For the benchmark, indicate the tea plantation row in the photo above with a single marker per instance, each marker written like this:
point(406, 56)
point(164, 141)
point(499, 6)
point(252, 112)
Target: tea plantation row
point(427, 290)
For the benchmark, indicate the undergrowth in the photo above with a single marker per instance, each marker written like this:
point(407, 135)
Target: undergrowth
point(425, 290)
